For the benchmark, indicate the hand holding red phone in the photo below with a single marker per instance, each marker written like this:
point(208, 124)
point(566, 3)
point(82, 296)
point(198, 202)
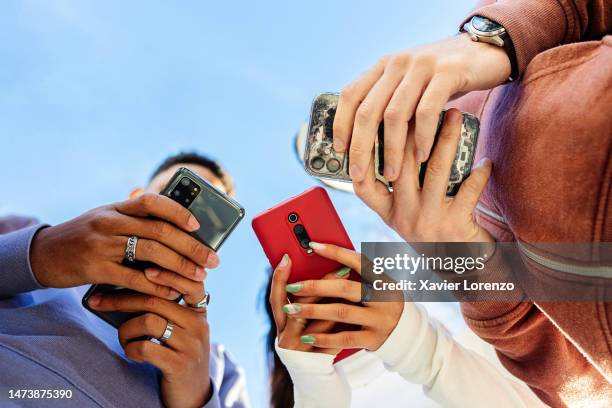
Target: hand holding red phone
point(377, 319)
point(291, 329)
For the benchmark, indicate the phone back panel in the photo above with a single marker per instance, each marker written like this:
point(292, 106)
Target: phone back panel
point(318, 216)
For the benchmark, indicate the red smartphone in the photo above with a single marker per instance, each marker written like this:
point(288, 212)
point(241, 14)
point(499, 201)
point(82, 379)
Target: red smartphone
point(288, 228)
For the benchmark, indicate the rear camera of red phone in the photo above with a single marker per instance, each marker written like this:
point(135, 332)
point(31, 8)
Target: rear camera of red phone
point(293, 218)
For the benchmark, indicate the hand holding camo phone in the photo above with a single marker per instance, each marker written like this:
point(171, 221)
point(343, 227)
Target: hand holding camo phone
point(321, 160)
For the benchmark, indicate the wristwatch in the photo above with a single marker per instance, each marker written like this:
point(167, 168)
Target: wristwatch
point(484, 30)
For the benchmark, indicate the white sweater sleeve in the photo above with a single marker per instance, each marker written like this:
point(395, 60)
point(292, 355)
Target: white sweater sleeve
point(422, 351)
point(316, 383)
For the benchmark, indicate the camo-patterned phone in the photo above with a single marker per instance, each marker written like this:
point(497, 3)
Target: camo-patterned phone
point(321, 160)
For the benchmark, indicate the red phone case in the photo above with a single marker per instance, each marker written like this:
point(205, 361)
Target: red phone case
point(318, 216)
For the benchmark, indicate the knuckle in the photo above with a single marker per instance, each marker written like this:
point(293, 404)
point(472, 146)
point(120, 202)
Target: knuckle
point(146, 201)
point(143, 349)
point(435, 168)
point(185, 266)
point(341, 312)
point(392, 114)
point(312, 286)
point(364, 113)
point(349, 92)
point(132, 280)
point(424, 112)
point(146, 246)
point(149, 323)
point(397, 61)
point(424, 58)
point(346, 286)
point(160, 229)
point(471, 186)
point(151, 302)
point(347, 339)
point(384, 60)
point(198, 251)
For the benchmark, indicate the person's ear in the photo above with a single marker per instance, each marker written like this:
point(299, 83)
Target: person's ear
point(136, 192)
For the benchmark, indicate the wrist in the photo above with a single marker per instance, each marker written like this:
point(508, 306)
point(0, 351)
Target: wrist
point(41, 257)
point(489, 65)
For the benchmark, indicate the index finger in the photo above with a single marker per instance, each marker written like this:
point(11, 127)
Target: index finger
point(349, 101)
point(278, 296)
point(162, 207)
point(142, 303)
point(345, 256)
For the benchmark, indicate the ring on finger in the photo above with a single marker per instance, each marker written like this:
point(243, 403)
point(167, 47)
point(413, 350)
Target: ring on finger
point(167, 332)
point(202, 305)
point(130, 248)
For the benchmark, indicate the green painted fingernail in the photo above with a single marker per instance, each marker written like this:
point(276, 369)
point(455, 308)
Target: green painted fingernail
point(291, 308)
point(294, 287)
point(342, 272)
point(307, 339)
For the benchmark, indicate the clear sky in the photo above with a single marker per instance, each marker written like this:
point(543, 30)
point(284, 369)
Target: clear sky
point(94, 94)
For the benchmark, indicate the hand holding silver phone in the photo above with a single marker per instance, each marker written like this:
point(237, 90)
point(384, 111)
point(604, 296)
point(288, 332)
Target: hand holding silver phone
point(322, 161)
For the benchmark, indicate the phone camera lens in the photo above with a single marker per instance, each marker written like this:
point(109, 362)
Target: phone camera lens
point(187, 200)
point(293, 217)
point(317, 163)
point(176, 193)
point(299, 229)
point(333, 165)
point(185, 181)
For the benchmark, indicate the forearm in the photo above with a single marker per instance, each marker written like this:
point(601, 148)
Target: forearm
point(423, 352)
point(16, 274)
point(536, 26)
point(315, 381)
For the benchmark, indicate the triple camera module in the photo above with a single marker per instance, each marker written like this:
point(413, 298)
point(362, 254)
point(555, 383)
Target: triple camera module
point(300, 232)
point(185, 192)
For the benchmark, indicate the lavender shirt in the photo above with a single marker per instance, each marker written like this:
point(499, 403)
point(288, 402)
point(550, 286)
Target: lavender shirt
point(49, 341)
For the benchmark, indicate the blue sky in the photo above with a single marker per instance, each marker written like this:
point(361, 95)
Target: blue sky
point(94, 94)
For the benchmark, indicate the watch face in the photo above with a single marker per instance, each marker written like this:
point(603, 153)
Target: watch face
point(485, 25)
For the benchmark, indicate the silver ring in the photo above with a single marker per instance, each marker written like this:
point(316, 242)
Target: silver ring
point(202, 304)
point(130, 248)
point(167, 332)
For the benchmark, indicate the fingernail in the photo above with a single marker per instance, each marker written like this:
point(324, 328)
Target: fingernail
point(342, 272)
point(292, 308)
point(355, 172)
point(213, 260)
point(307, 339)
point(284, 261)
point(294, 287)
point(95, 300)
point(152, 273)
point(200, 273)
point(481, 163)
point(173, 294)
point(316, 246)
point(421, 156)
point(389, 172)
point(193, 224)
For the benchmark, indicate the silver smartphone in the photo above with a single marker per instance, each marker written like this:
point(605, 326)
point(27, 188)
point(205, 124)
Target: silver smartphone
point(322, 161)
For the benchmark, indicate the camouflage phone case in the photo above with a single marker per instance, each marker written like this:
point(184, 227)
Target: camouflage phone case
point(321, 160)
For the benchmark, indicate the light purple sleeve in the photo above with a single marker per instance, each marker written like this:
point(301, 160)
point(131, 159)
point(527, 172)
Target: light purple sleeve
point(228, 381)
point(16, 274)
